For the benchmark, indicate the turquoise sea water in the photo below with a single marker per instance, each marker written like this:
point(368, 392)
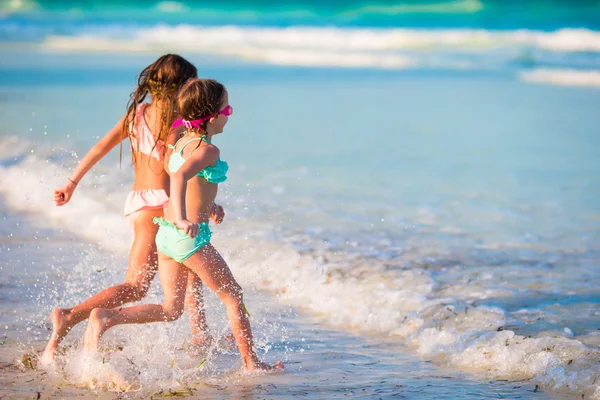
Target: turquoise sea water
point(523, 39)
point(537, 14)
point(425, 173)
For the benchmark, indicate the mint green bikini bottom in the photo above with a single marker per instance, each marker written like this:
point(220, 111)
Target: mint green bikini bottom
point(173, 243)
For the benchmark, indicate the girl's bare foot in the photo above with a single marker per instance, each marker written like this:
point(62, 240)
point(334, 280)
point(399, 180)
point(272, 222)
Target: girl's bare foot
point(201, 343)
point(203, 339)
point(61, 325)
point(258, 365)
point(228, 339)
point(101, 319)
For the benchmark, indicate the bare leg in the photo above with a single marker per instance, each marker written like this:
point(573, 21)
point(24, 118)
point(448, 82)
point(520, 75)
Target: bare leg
point(210, 267)
point(194, 304)
point(173, 278)
point(140, 272)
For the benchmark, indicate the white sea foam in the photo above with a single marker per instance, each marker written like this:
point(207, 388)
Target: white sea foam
point(28, 186)
point(444, 324)
point(341, 47)
point(334, 39)
point(563, 77)
point(406, 304)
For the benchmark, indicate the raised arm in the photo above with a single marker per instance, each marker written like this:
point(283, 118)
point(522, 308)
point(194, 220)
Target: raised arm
point(200, 159)
point(63, 194)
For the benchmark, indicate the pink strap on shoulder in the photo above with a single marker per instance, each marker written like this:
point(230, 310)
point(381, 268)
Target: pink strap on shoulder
point(187, 124)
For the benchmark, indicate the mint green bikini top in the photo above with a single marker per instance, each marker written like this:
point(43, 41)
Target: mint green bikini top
point(213, 173)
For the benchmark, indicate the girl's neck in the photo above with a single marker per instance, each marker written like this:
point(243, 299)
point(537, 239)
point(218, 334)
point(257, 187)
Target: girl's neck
point(209, 136)
point(197, 133)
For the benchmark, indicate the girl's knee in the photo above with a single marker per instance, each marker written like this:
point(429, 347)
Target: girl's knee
point(94, 314)
point(232, 293)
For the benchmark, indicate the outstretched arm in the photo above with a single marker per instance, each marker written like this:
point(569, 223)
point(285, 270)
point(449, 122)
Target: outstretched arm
point(199, 160)
point(63, 194)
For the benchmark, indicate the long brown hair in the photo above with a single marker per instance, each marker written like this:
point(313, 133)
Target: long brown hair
point(161, 80)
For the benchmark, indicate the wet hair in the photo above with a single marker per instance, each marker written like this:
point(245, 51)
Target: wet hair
point(161, 79)
point(200, 98)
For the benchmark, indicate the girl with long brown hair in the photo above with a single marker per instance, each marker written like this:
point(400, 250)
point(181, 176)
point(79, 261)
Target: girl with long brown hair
point(148, 127)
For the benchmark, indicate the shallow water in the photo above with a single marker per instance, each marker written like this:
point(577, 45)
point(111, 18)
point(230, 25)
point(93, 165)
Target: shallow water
point(455, 213)
point(320, 362)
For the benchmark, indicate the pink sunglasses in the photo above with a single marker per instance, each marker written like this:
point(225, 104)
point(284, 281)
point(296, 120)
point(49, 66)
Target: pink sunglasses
point(227, 111)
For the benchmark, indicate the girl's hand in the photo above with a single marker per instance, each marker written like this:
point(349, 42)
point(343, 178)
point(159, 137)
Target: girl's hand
point(188, 227)
point(216, 213)
point(63, 194)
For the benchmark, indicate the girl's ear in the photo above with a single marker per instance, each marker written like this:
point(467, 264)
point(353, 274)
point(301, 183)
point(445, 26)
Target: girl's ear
point(212, 120)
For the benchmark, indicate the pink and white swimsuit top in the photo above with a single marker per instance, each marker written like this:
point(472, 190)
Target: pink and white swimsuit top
point(142, 138)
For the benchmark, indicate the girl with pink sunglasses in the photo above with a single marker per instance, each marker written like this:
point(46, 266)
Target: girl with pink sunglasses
point(183, 237)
